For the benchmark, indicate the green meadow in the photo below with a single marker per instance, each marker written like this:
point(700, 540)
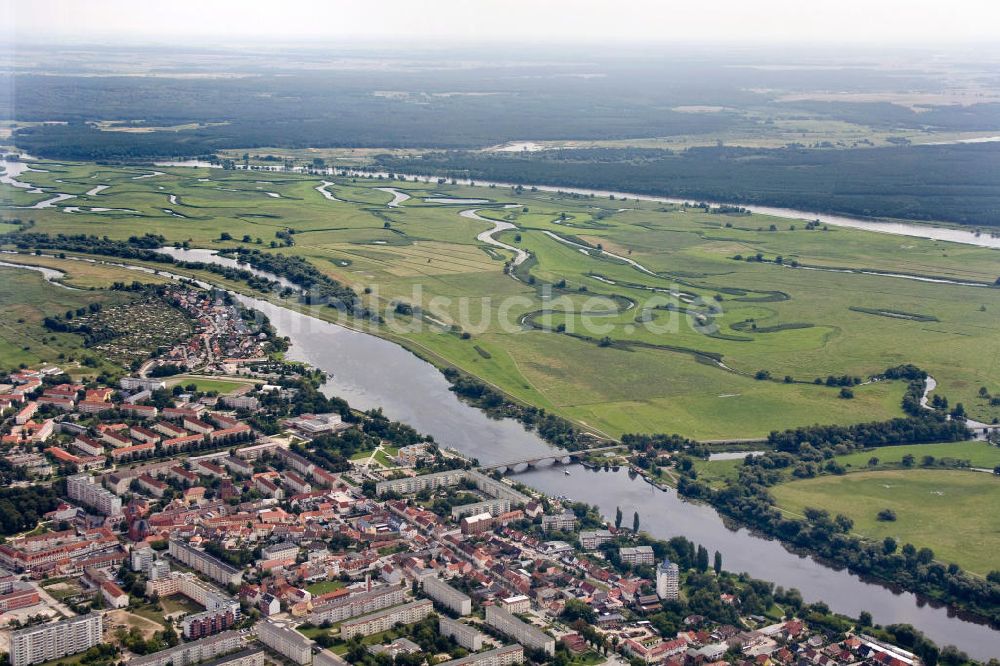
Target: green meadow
point(954, 513)
point(673, 346)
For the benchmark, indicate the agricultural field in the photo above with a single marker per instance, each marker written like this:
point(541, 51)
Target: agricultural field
point(629, 316)
point(954, 513)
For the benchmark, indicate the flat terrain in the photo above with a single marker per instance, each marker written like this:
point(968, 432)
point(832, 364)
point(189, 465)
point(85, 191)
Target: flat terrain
point(955, 513)
point(25, 300)
point(206, 384)
point(666, 321)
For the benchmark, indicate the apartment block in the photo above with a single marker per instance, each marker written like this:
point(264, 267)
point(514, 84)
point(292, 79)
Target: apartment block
point(45, 642)
point(357, 604)
point(81, 487)
point(502, 656)
point(522, 632)
point(443, 593)
point(639, 555)
point(561, 522)
point(204, 563)
point(591, 539)
point(465, 635)
point(192, 652)
point(285, 641)
point(366, 625)
point(494, 507)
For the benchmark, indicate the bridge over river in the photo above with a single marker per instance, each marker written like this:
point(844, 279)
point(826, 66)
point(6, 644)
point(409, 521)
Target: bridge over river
point(558, 457)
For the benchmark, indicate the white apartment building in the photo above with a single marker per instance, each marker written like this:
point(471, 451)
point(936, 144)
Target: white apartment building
point(45, 642)
point(81, 487)
point(366, 625)
point(639, 555)
point(285, 641)
point(465, 635)
point(193, 652)
point(502, 656)
point(447, 596)
point(668, 580)
point(522, 632)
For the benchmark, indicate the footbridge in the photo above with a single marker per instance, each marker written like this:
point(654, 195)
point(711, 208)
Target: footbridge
point(555, 458)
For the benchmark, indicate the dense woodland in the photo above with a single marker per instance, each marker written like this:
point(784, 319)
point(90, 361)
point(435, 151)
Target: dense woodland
point(953, 183)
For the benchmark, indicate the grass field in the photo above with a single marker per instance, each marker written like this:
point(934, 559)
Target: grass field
point(979, 454)
point(178, 603)
point(25, 300)
point(206, 384)
point(324, 587)
point(84, 274)
point(657, 373)
point(954, 513)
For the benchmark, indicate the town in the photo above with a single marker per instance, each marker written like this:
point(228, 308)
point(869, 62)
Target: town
point(242, 518)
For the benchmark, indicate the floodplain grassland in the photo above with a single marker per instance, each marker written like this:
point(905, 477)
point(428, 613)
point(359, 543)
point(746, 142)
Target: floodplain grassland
point(657, 369)
point(26, 298)
point(954, 513)
point(84, 274)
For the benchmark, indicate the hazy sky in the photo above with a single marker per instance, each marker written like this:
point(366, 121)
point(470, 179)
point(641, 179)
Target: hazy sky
point(665, 21)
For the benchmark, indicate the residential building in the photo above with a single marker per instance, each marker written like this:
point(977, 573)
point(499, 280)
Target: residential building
point(592, 539)
point(465, 635)
point(204, 563)
point(477, 524)
point(638, 555)
point(357, 604)
point(45, 642)
point(366, 625)
point(560, 522)
point(522, 632)
point(494, 507)
point(443, 593)
point(192, 652)
point(668, 580)
point(141, 383)
point(285, 641)
point(519, 603)
point(502, 656)
point(81, 487)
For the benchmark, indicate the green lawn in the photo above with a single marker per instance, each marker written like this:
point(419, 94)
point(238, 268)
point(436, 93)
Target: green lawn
point(978, 453)
point(955, 513)
point(176, 603)
point(656, 376)
point(323, 587)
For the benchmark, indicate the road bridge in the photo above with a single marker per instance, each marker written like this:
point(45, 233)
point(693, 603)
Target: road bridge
point(558, 457)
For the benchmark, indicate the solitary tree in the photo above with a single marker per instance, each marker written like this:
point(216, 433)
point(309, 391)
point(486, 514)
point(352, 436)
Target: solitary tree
point(635, 521)
point(718, 562)
point(618, 518)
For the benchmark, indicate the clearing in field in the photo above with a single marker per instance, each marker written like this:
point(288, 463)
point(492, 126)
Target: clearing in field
point(954, 513)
